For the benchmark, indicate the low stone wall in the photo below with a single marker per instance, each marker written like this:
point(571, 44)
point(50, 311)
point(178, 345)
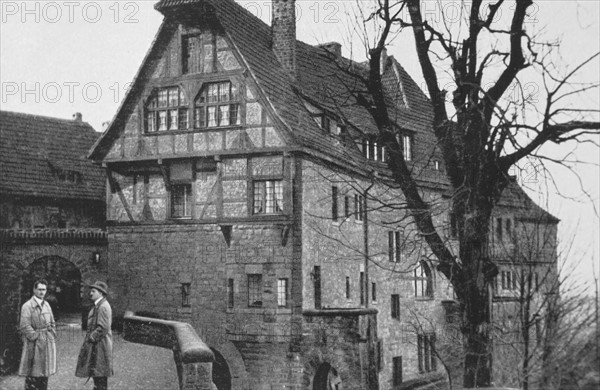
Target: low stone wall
point(193, 358)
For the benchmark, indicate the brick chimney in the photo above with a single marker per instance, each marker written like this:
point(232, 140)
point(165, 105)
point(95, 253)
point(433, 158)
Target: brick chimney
point(77, 117)
point(283, 32)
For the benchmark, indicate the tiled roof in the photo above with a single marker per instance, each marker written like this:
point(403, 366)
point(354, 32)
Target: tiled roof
point(324, 81)
point(36, 150)
point(320, 79)
point(514, 197)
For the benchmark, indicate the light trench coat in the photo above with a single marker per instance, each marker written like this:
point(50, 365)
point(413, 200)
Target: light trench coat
point(95, 356)
point(38, 332)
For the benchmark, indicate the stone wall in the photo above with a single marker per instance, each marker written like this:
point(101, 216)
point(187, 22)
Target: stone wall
point(15, 259)
point(338, 248)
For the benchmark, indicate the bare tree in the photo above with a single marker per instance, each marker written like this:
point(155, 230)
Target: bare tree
point(483, 132)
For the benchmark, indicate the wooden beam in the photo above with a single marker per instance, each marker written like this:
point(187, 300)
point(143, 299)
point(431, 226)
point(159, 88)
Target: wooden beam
point(116, 188)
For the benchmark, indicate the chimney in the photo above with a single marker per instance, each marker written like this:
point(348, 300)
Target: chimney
point(383, 60)
point(333, 48)
point(77, 117)
point(283, 33)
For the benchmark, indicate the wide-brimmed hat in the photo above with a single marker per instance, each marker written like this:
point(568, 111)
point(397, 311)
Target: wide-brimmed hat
point(100, 286)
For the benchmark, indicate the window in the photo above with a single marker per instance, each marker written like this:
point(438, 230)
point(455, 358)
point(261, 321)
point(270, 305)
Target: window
point(423, 282)
point(255, 290)
point(361, 281)
point(323, 121)
point(372, 149)
point(181, 201)
point(374, 291)
point(394, 246)
point(397, 369)
point(230, 301)
point(217, 105)
point(395, 306)
point(499, 229)
point(185, 294)
point(347, 206)
point(436, 165)
point(166, 109)
point(509, 280)
point(334, 203)
point(426, 352)
point(508, 228)
point(359, 204)
point(406, 143)
point(268, 196)
point(317, 285)
point(347, 287)
point(282, 292)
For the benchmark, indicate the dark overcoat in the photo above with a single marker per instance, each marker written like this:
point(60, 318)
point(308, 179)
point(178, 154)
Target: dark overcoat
point(38, 332)
point(95, 356)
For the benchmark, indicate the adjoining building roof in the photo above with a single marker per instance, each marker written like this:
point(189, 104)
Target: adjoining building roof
point(45, 157)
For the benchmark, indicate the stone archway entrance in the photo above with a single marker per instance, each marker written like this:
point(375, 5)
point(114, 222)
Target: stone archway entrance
point(64, 284)
point(221, 375)
point(327, 378)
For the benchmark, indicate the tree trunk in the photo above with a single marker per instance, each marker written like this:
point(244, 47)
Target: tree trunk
point(477, 341)
point(476, 295)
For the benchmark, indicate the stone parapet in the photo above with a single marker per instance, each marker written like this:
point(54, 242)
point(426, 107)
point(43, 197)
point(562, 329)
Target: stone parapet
point(192, 356)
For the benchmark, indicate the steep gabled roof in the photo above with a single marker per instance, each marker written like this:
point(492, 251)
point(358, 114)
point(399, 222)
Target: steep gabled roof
point(514, 197)
point(35, 151)
point(319, 79)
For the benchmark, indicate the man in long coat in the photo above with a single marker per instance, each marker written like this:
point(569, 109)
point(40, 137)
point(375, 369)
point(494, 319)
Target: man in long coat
point(95, 356)
point(38, 330)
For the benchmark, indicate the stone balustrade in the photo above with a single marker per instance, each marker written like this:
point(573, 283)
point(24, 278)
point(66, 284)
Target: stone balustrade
point(193, 358)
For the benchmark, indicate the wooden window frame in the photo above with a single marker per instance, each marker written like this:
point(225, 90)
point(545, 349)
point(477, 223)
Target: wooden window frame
point(158, 107)
point(255, 290)
point(394, 252)
point(213, 96)
point(187, 200)
point(423, 277)
point(269, 199)
point(282, 292)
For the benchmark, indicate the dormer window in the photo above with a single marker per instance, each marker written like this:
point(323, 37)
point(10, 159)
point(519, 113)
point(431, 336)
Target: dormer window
point(373, 150)
point(217, 105)
point(406, 143)
point(166, 109)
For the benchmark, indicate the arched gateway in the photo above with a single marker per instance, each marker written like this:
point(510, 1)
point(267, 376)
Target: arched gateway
point(64, 284)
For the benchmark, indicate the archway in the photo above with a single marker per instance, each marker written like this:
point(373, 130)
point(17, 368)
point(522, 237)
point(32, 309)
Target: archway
point(327, 378)
point(64, 284)
point(221, 375)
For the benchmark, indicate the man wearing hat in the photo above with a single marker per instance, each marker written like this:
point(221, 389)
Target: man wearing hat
point(95, 356)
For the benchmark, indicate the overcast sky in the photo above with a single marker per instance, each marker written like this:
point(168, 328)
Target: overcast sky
point(62, 57)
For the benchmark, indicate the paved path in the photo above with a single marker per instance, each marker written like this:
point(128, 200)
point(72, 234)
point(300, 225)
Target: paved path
point(136, 366)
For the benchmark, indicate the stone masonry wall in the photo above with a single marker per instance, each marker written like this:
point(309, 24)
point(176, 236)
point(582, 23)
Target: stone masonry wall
point(14, 262)
point(338, 248)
